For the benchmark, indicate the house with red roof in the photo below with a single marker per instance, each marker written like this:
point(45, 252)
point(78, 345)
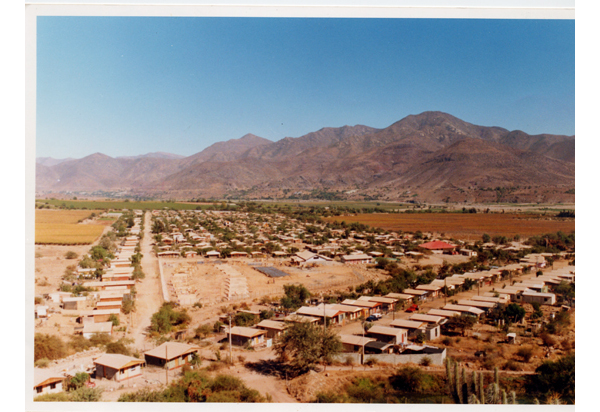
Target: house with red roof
point(438, 246)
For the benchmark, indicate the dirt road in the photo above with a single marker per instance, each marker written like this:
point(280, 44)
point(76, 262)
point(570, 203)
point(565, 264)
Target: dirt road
point(149, 297)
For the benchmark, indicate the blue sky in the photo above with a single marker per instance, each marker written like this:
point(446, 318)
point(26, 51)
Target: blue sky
point(132, 85)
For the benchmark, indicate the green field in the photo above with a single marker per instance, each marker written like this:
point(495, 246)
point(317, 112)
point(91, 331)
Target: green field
point(120, 204)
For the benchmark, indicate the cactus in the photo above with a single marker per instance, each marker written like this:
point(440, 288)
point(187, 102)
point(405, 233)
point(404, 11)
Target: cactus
point(481, 389)
point(473, 399)
point(496, 376)
point(513, 398)
point(458, 386)
point(504, 397)
point(474, 383)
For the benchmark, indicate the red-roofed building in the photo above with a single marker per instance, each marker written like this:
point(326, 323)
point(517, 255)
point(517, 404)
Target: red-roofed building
point(437, 246)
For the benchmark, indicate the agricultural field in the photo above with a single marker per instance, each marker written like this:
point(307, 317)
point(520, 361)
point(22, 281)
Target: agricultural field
point(464, 224)
point(61, 227)
point(120, 204)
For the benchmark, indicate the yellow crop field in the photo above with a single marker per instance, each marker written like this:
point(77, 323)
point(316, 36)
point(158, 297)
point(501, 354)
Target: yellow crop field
point(60, 227)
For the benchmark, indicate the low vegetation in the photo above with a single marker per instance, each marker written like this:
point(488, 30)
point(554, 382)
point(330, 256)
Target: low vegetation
point(198, 387)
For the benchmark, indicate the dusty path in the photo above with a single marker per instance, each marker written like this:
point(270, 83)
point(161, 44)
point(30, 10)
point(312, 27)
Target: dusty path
point(148, 290)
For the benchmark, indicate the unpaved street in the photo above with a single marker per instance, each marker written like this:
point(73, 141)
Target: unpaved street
point(149, 298)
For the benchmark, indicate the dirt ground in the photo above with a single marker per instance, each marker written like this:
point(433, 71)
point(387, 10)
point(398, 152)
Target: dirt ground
point(208, 282)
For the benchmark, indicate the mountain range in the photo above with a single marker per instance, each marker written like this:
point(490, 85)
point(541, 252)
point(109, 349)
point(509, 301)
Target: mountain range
point(429, 157)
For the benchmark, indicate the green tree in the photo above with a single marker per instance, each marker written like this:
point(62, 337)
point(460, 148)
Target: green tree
point(514, 313)
point(78, 381)
point(166, 318)
point(295, 296)
point(555, 376)
point(305, 344)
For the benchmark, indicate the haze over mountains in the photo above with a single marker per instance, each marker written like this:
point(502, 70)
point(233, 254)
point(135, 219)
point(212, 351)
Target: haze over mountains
point(429, 157)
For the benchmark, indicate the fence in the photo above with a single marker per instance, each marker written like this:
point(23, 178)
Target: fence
point(394, 359)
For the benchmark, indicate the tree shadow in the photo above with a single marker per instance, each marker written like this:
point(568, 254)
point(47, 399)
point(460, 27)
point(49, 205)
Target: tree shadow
point(272, 367)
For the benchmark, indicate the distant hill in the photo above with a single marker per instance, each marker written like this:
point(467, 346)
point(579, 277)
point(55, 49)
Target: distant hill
point(430, 157)
point(154, 155)
point(49, 161)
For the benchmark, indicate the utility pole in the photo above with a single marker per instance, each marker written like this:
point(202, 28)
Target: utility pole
point(230, 355)
point(446, 290)
point(167, 361)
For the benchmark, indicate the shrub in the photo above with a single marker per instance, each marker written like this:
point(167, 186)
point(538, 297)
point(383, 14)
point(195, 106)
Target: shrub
point(511, 365)
point(407, 379)
point(118, 347)
point(71, 255)
point(85, 394)
point(78, 381)
point(426, 361)
point(371, 361)
point(128, 306)
point(49, 347)
point(329, 397)
point(217, 326)
point(525, 353)
point(114, 319)
point(78, 343)
point(203, 331)
point(53, 397)
point(42, 363)
point(166, 318)
point(98, 339)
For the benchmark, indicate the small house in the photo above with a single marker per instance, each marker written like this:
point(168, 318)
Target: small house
point(117, 367)
point(353, 343)
point(378, 347)
point(274, 328)
point(242, 336)
point(172, 354)
point(45, 381)
point(395, 336)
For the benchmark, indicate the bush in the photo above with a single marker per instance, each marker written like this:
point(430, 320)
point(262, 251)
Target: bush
point(49, 347)
point(118, 347)
point(99, 339)
point(85, 394)
point(78, 343)
point(426, 361)
point(114, 319)
point(407, 379)
point(78, 381)
point(525, 353)
point(217, 326)
point(511, 365)
point(42, 363)
point(53, 397)
point(128, 306)
point(166, 318)
point(203, 331)
point(71, 255)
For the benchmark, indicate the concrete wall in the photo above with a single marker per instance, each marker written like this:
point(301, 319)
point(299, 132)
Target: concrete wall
point(436, 358)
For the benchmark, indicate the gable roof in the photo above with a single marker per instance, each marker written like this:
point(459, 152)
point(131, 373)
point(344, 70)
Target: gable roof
point(117, 361)
point(437, 245)
point(246, 332)
point(172, 349)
